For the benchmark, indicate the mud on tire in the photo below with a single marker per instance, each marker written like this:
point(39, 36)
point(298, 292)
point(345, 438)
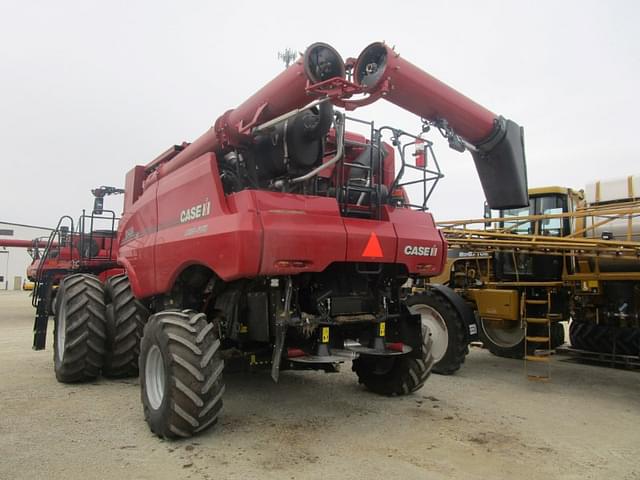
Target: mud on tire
point(125, 319)
point(79, 332)
point(180, 373)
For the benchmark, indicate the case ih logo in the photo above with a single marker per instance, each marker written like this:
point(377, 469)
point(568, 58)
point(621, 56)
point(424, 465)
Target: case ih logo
point(195, 212)
point(416, 251)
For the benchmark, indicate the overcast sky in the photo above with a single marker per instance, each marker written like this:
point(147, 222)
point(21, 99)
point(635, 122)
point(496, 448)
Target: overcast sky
point(90, 89)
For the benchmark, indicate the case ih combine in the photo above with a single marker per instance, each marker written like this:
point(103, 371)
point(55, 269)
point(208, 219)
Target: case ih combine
point(279, 238)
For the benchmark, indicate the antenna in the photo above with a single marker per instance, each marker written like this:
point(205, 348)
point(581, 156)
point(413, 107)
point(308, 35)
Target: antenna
point(288, 55)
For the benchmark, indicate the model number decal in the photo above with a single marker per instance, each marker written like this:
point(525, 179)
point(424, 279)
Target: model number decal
point(416, 251)
point(195, 212)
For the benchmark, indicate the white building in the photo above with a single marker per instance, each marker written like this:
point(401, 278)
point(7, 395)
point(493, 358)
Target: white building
point(14, 261)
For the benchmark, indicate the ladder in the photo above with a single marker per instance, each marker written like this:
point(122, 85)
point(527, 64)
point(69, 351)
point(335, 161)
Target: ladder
point(537, 316)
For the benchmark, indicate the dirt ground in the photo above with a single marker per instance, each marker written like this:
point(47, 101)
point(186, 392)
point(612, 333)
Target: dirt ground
point(486, 422)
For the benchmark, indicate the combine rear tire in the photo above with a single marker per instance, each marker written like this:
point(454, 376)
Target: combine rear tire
point(180, 373)
point(125, 318)
point(446, 329)
point(393, 376)
point(79, 333)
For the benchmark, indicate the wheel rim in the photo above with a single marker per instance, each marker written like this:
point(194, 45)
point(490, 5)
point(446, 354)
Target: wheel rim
point(437, 329)
point(504, 334)
point(154, 377)
point(61, 333)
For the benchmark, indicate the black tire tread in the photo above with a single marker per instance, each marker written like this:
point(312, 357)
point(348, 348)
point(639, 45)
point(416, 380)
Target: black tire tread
point(85, 340)
point(195, 366)
point(407, 374)
point(125, 324)
point(458, 348)
point(603, 338)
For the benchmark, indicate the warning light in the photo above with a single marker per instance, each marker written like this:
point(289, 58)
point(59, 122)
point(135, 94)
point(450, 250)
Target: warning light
point(373, 248)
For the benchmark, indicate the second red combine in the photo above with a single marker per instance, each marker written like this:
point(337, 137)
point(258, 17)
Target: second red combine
point(280, 238)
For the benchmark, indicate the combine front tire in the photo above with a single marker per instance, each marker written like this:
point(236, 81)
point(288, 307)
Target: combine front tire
point(125, 318)
point(180, 373)
point(79, 333)
point(446, 329)
point(399, 375)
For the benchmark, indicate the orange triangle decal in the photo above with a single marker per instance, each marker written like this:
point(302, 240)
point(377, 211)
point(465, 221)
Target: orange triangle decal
point(373, 248)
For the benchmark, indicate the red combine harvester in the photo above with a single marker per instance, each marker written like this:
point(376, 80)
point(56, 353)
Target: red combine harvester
point(280, 239)
point(84, 249)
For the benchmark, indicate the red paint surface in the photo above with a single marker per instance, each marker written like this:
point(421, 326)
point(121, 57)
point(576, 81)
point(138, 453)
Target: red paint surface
point(373, 248)
point(413, 89)
point(255, 232)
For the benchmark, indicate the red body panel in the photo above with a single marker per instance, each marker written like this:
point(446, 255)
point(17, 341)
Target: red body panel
point(301, 230)
point(253, 233)
point(418, 232)
point(359, 233)
point(136, 237)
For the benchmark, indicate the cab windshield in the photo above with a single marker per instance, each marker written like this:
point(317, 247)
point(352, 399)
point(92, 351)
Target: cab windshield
point(538, 205)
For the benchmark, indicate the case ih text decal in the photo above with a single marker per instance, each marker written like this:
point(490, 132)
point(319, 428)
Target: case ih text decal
point(416, 251)
point(197, 211)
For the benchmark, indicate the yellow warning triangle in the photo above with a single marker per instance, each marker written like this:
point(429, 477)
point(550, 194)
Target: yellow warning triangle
point(373, 248)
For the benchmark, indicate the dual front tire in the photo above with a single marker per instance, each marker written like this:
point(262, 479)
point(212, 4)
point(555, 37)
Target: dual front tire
point(178, 358)
point(97, 328)
point(125, 317)
point(80, 333)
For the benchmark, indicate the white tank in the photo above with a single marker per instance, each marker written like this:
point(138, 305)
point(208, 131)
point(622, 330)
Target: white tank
point(610, 192)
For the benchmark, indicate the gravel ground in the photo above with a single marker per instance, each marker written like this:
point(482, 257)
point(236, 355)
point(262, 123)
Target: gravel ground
point(486, 422)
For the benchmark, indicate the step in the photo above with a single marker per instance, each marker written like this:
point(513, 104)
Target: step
point(536, 358)
point(537, 320)
point(538, 339)
point(536, 302)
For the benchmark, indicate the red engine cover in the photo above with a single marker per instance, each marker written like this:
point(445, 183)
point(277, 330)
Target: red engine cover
point(184, 219)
